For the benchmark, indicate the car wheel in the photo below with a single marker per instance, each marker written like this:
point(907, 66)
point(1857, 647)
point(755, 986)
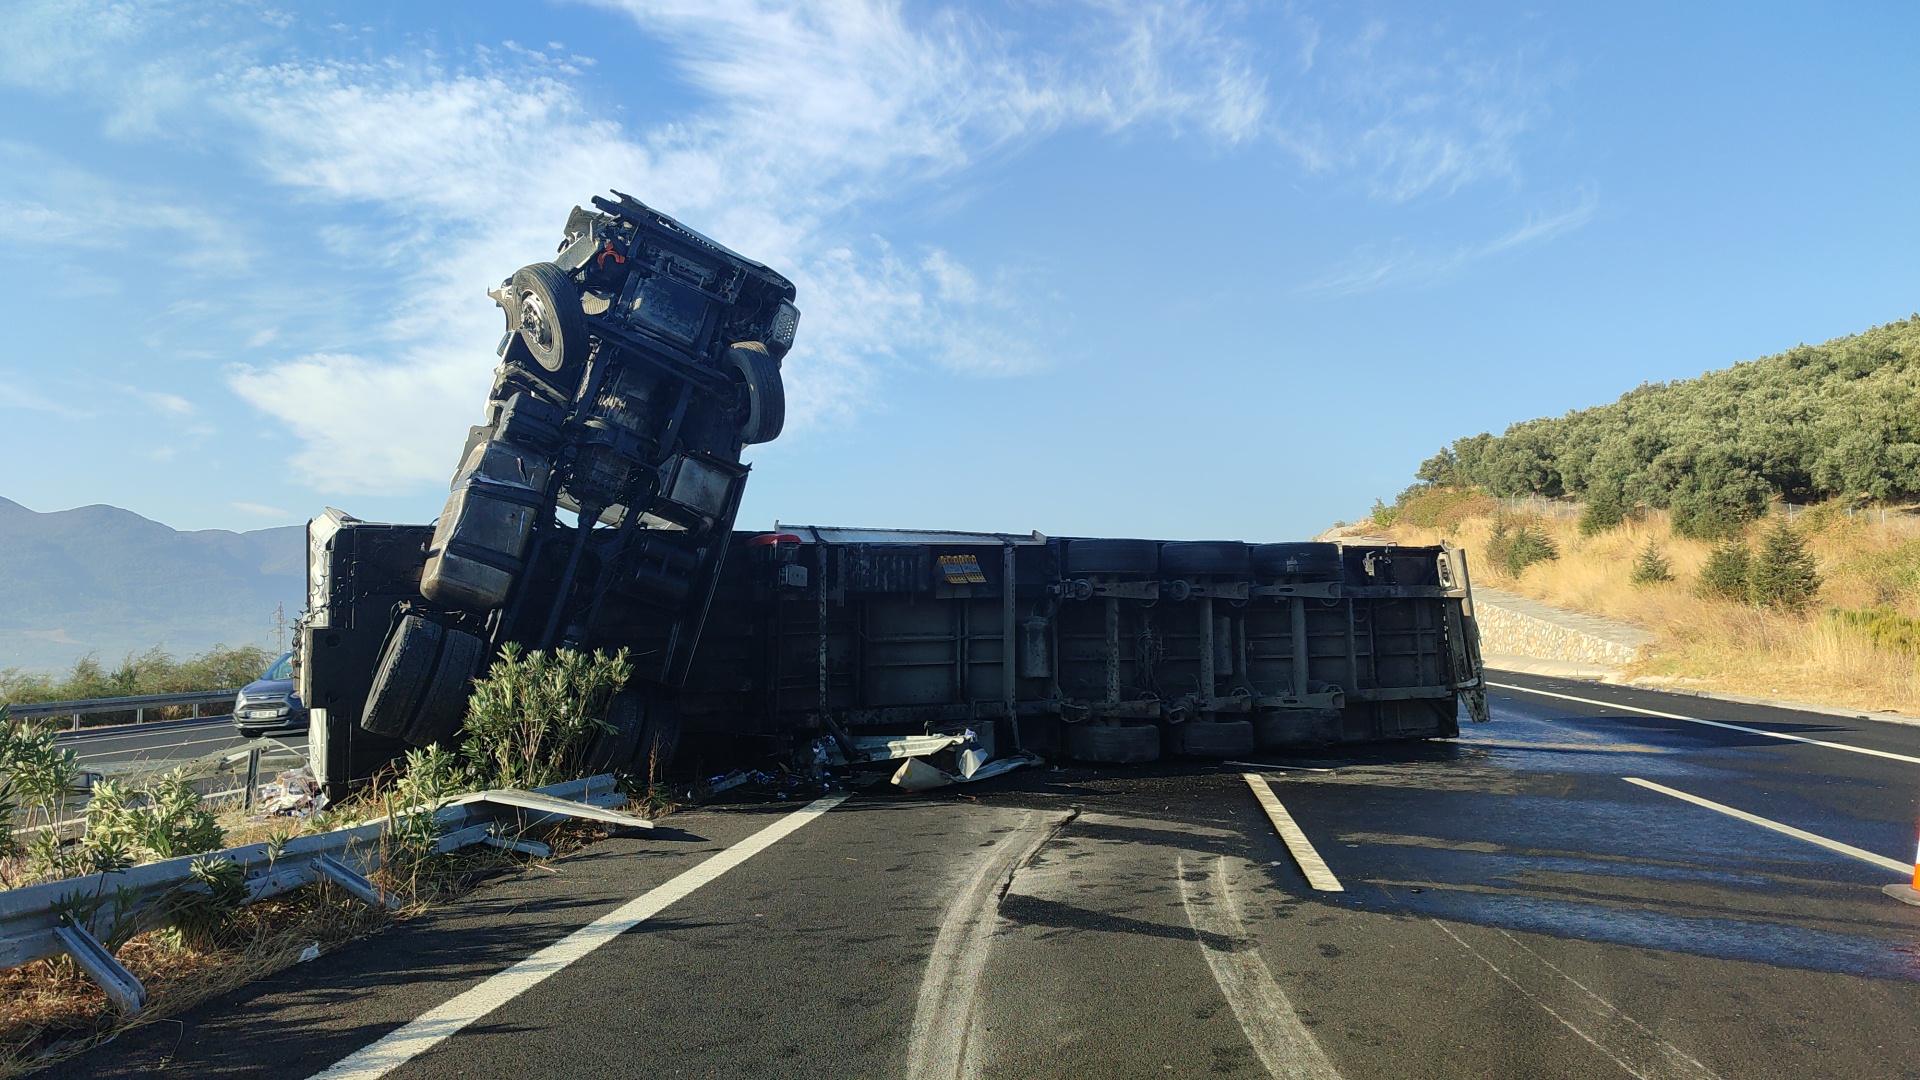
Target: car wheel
point(546, 312)
point(1213, 739)
point(400, 682)
point(1113, 744)
point(444, 706)
point(765, 392)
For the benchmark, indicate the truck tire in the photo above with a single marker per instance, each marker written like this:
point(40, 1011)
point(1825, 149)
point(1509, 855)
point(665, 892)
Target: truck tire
point(400, 681)
point(1296, 727)
point(1113, 557)
point(1214, 558)
point(546, 312)
point(645, 733)
point(766, 393)
point(1305, 560)
point(1113, 744)
point(1213, 739)
point(444, 706)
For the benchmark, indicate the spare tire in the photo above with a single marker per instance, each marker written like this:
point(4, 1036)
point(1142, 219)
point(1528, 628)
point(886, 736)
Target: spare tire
point(1113, 557)
point(545, 309)
point(766, 393)
point(1303, 560)
point(1113, 744)
point(645, 732)
point(444, 706)
point(400, 680)
point(1212, 739)
point(1215, 558)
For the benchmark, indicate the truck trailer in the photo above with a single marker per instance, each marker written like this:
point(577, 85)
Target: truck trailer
point(825, 645)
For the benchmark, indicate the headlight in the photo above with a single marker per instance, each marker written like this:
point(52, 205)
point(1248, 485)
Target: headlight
point(786, 322)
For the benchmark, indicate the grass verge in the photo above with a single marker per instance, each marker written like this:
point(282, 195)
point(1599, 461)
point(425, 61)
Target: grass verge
point(1841, 646)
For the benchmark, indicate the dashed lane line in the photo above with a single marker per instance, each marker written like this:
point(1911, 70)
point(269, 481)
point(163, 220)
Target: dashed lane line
point(436, 1025)
point(1888, 754)
point(1787, 830)
point(1311, 864)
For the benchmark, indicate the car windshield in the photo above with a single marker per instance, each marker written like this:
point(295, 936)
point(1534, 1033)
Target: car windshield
point(281, 669)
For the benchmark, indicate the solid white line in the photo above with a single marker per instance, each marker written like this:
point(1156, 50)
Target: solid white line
point(1888, 754)
point(945, 1018)
point(437, 1025)
point(1284, 1044)
point(1798, 834)
point(1311, 864)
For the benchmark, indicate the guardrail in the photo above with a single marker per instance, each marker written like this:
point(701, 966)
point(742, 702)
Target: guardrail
point(138, 706)
point(72, 917)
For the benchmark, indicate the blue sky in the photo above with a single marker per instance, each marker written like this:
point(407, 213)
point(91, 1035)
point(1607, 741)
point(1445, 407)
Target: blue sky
point(1171, 269)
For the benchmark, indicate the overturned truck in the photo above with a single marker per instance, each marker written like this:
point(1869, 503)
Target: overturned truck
point(594, 508)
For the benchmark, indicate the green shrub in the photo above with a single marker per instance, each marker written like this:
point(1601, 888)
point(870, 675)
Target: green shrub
point(1650, 567)
point(1783, 573)
point(531, 719)
point(1513, 550)
point(1885, 627)
point(1604, 510)
point(161, 820)
point(152, 672)
point(1726, 574)
point(1384, 515)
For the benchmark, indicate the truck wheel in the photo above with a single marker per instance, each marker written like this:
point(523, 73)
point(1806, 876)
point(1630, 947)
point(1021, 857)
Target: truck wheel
point(1218, 558)
point(1216, 739)
point(766, 394)
point(444, 706)
point(1116, 745)
point(400, 682)
point(1113, 557)
point(646, 731)
point(546, 312)
point(1311, 560)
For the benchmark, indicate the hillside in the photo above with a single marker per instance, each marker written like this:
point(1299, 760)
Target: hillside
point(1838, 420)
point(108, 581)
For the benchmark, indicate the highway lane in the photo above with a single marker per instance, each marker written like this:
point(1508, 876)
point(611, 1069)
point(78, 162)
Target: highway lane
point(163, 743)
point(1512, 906)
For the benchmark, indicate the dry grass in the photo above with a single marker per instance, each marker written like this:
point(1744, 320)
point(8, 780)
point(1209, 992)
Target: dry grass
point(1722, 645)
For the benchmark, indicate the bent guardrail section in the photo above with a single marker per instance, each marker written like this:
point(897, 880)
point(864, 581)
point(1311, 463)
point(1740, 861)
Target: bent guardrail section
point(72, 917)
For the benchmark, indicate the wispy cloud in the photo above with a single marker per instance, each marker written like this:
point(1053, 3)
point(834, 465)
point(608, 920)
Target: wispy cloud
point(1410, 267)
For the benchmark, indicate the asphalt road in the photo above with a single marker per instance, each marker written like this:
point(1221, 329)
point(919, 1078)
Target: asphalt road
point(162, 745)
point(1512, 907)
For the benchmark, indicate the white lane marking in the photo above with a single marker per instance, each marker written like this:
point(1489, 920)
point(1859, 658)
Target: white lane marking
point(1888, 754)
point(1311, 864)
point(1629, 1044)
point(946, 1019)
point(1284, 1044)
point(1766, 823)
point(439, 1024)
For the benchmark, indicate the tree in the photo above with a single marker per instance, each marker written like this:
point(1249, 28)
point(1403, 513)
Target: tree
point(1604, 510)
point(1651, 568)
point(1783, 573)
point(1725, 575)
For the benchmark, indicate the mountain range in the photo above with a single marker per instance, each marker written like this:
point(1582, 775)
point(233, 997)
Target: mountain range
point(102, 580)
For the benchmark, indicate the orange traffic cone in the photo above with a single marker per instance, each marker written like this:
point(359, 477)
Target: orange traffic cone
point(1903, 892)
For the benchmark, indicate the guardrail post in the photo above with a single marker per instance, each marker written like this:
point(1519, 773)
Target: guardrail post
point(253, 777)
point(139, 716)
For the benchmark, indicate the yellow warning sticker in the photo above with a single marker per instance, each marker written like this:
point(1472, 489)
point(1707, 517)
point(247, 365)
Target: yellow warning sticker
point(962, 570)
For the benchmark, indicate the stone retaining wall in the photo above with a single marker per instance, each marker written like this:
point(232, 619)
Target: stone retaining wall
point(1516, 626)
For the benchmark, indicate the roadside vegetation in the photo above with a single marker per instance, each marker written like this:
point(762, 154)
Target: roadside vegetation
point(1833, 422)
point(1823, 608)
point(154, 671)
point(531, 720)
